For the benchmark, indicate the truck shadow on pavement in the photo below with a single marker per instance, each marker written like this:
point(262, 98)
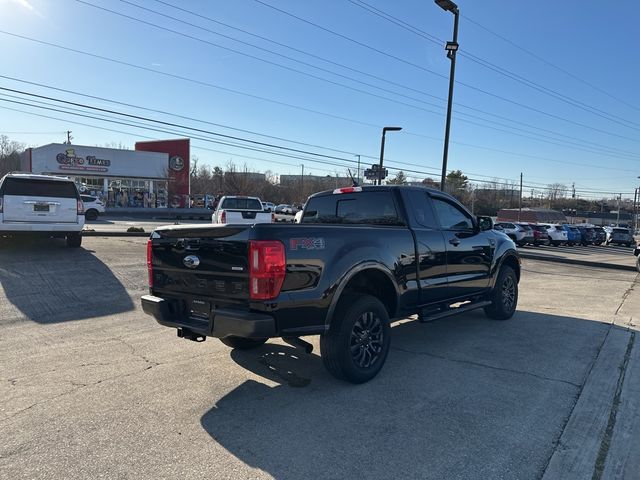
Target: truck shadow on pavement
point(464, 397)
point(47, 282)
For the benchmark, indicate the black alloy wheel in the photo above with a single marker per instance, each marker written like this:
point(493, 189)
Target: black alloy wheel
point(504, 296)
point(357, 344)
point(367, 340)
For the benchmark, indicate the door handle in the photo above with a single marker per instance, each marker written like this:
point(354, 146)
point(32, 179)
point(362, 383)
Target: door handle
point(454, 241)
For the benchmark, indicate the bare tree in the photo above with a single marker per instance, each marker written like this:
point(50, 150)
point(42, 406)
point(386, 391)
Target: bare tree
point(9, 155)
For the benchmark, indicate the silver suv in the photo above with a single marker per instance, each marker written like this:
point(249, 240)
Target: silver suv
point(42, 205)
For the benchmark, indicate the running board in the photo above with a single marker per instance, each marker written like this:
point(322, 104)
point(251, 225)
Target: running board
point(425, 317)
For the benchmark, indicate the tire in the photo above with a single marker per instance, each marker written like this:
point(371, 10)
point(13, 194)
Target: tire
point(504, 296)
point(91, 214)
point(74, 240)
point(241, 343)
point(356, 346)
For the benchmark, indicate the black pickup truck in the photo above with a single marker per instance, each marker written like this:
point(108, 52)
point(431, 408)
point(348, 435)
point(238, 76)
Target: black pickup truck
point(361, 257)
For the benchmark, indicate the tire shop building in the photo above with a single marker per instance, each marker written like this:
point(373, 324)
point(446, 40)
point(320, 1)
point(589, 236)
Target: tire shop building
point(154, 175)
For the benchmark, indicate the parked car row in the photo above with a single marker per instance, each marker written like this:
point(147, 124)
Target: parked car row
point(564, 234)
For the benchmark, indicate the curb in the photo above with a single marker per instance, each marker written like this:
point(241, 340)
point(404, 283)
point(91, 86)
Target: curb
point(115, 234)
point(571, 261)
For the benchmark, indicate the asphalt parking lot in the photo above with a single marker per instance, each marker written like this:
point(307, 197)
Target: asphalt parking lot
point(90, 387)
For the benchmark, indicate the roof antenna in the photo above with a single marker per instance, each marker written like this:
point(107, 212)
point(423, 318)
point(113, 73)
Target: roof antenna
point(355, 182)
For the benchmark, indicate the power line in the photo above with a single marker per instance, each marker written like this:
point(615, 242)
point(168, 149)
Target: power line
point(349, 39)
point(277, 102)
point(578, 146)
point(506, 152)
point(311, 160)
point(170, 124)
point(543, 60)
point(280, 44)
point(4, 132)
point(495, 68)
point(191, 12)
point(201, 130)
point(320, 68)
point(269, 62)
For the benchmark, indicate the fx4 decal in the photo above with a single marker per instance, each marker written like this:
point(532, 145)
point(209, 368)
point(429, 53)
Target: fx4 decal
point(306, 243)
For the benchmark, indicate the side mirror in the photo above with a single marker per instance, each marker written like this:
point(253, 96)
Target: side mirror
point(485, 223)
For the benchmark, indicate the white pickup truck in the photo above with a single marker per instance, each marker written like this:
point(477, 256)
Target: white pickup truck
point(241, 210)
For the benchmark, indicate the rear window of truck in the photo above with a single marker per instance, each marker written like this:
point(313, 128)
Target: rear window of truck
point(38, 188)
point(241, 204)
point(368, 208)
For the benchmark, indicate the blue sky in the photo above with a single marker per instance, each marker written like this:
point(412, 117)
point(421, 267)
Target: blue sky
point(577, 120)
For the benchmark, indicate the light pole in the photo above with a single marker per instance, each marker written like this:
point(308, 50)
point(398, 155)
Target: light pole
point(636, 203)
point(451, 48)
point(384, 133)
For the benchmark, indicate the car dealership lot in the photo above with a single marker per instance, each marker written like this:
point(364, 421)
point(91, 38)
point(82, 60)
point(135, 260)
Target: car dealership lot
point(91, 387)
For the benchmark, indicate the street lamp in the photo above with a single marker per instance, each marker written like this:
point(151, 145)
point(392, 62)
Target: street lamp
point(451, 48)
point(384, 132)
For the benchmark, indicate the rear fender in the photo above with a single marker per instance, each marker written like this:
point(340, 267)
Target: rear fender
point(344, 281)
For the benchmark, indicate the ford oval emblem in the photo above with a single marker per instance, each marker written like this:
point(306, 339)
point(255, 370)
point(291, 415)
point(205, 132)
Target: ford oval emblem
point(191, 261)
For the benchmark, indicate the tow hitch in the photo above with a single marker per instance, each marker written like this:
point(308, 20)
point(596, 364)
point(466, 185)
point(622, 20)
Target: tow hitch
point(190, 335)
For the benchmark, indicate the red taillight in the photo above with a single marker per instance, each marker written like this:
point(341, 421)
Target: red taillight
point(267, 267)
point(150, 262)
point(223, 217)
point(80, 207)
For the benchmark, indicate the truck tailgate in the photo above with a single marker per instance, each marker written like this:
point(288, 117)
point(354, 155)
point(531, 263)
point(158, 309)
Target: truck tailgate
point(207, 263)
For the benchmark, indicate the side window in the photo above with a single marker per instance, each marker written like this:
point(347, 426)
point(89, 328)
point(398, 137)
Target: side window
point(450, 216)
point(419, 207)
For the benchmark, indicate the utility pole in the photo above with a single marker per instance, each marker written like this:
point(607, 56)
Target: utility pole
point(302, 181)
point(618, 216)
point(573, 195)
point(635, 214)
point(520, 201)
point(69, 137)
point(358, 176)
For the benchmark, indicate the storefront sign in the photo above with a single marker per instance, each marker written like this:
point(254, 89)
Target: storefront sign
point(70, 161)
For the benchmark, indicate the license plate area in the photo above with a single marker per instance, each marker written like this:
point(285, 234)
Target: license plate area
point(40, 207)
point(200, 309)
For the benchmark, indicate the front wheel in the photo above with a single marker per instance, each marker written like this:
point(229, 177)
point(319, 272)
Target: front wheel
point(504, 297)
point(242, 343)
point(356, 346)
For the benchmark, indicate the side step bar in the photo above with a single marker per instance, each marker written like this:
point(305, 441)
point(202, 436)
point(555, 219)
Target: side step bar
point(425, 316)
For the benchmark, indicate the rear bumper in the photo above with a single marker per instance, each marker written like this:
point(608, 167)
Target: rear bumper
point(221, 322)
point(24, 227)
